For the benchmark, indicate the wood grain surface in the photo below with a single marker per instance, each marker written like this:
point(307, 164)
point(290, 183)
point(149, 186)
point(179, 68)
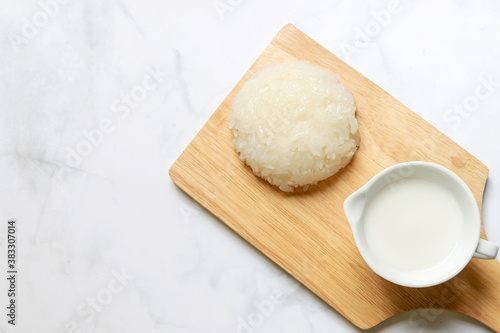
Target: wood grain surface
point(307, 233)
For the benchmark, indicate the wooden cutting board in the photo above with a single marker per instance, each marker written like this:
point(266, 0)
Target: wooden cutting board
point(306, 233)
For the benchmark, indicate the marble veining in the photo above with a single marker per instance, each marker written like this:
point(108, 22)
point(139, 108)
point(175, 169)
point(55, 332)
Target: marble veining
point(98, 99)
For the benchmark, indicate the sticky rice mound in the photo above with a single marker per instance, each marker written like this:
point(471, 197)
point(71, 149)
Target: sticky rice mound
point(294, 124)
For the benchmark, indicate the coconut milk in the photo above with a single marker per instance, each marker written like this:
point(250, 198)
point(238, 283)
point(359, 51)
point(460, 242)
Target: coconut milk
point(413, 224)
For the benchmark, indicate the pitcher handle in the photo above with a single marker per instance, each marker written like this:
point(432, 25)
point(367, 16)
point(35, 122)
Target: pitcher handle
point(485, 250)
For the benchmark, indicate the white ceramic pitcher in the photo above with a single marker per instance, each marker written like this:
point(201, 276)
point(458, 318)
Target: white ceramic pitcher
point(466, 232)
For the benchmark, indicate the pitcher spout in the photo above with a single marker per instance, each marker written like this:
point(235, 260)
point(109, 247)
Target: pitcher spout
point(354, 206)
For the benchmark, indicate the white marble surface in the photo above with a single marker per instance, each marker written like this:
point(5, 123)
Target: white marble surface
point(106, 242)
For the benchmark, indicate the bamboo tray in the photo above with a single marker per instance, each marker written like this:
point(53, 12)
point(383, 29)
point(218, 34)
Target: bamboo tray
point(306, 233)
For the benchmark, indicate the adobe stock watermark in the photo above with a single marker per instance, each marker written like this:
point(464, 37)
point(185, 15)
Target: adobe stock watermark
point(264, 309)
point(372, 29)
point(30, 26)
point(87, 310)
point(460, 111)
point(261, 309)
point(121, 108)
point(221, 7)
point(420, 319)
